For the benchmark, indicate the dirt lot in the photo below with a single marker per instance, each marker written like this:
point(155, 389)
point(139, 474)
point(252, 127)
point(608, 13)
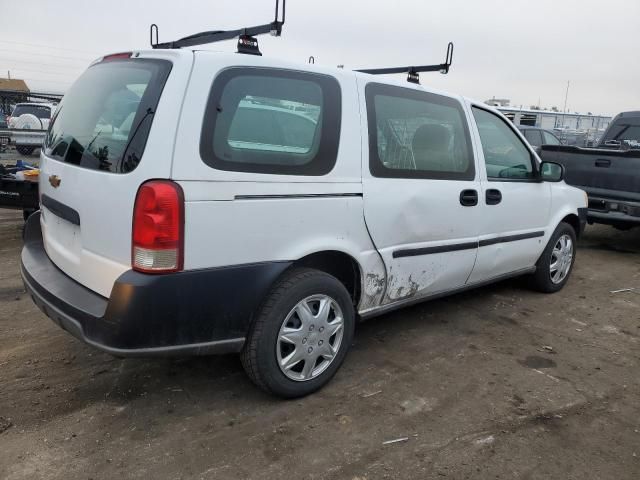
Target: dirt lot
point(495, 383)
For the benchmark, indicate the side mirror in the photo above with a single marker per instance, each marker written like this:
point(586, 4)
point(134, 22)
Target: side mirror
point(551, 172)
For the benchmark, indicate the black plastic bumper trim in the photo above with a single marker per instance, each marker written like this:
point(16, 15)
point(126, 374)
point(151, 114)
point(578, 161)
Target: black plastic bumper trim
point(186, 313)
point(60, 209)
point(74, 327)
point(612, 218)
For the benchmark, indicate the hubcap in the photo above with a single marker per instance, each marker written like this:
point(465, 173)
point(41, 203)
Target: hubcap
point(310, 337)
point(561, 259)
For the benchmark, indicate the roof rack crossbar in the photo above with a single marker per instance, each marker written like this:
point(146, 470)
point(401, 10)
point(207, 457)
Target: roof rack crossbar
point(413, 72)
point(212, 36)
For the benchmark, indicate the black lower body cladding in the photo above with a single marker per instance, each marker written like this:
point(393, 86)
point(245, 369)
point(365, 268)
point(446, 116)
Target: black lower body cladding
point(192, 312)
point(582, 216)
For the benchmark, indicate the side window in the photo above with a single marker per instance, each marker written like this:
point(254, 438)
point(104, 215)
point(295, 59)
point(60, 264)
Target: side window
point(550, 139)
point(505, 155)
point(533, 137)
point(415, 134)
point(272, 121)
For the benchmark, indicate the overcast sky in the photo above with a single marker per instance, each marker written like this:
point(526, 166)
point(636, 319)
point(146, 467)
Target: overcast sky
point(524, 50)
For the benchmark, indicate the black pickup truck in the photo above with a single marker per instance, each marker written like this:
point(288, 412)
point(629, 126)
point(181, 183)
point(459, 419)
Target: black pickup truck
point(609, 172)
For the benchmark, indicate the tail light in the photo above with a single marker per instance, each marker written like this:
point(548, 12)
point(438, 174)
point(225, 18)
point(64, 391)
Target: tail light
point(117, 56)
point(158, 228)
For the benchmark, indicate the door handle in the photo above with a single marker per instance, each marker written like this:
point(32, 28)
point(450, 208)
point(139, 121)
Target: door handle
point(493, 196)
point(469, 198)
point(603, 163)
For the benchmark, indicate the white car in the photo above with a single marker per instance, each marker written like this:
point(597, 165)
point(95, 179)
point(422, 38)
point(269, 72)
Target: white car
point(195, 202)
point(30, 116)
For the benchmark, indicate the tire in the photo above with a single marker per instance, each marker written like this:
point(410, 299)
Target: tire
point(278, 317)
point(28, 121)
point(547, 279)
point(26, 151)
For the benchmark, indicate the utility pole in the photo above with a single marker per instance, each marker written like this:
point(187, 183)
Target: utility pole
point(566, 95)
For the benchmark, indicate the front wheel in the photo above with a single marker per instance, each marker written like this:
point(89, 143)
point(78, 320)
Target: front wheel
point(556, 262)
point(301, 334)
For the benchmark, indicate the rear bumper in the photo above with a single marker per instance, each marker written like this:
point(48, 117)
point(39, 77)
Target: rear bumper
point(613, 212)
point(197, 312)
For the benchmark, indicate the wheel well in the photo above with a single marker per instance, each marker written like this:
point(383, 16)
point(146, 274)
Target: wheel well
point(341, 265)
point(574, 221)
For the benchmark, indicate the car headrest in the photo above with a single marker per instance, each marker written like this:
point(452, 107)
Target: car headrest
point(430, 137)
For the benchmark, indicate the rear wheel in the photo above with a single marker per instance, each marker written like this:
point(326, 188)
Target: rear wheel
point(301, 335)
point(556, 262)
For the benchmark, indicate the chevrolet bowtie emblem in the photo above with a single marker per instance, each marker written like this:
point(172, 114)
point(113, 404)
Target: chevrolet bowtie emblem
point(54, 180)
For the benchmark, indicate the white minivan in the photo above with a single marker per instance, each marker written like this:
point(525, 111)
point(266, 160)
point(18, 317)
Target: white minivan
point(195, 202)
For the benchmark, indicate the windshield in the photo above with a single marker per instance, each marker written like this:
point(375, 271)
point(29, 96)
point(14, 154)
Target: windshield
point(104, 120)
point(40, 111)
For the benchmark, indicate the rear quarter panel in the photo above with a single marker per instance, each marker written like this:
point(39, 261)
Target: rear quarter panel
point(237, 218)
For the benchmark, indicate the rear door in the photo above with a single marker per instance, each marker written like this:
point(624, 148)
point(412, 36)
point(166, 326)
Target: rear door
point(113, 130)
point(420, 189)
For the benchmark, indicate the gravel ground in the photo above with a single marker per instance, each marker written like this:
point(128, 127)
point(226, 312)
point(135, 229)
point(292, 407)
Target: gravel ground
point(499, 382)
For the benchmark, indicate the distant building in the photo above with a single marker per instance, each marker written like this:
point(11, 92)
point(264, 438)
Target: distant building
point(550, 120)
point(12, 91)
point(498, 102)
point(572, 128)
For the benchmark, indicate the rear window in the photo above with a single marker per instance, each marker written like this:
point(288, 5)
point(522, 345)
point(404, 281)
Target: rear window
point(272, 121)
point(104, 119)
point(626, 131)
point(40, 111)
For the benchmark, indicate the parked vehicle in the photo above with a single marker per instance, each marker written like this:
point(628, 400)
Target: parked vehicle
point(17, 190)
point(609, 173)
point(4, 136)
point(243, 204)
point(539, 136)
point(30, 116)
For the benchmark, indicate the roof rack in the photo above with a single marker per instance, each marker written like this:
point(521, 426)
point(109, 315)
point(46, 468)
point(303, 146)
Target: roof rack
point(413, 72)
point(247, 43)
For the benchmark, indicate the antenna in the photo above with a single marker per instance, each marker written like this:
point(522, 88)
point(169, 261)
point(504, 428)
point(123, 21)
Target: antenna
point(247, 43)
point(413, 73)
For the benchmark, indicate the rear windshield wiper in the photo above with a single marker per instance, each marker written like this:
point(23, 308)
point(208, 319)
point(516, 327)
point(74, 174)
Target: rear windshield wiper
point(122, 162)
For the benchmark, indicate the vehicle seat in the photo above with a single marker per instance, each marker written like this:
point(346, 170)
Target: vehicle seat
point(431, 148)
